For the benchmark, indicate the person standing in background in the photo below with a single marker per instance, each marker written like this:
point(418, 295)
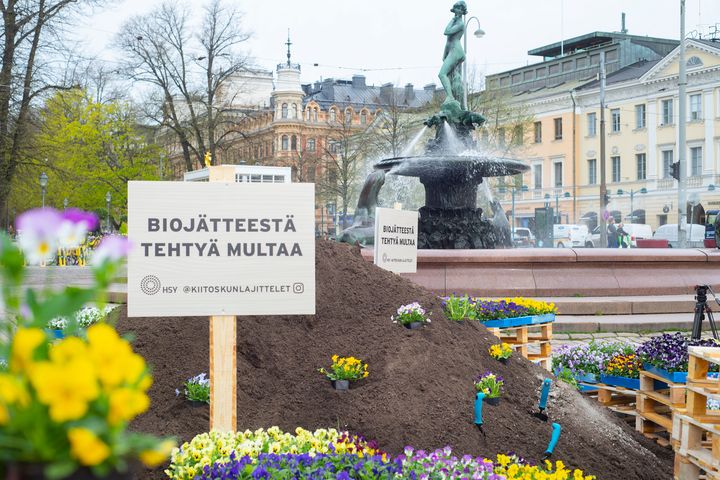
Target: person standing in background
point(612, 233)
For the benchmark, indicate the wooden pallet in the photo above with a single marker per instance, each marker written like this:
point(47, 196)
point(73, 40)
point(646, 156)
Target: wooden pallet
point(655, 407)
point(618, 399)
point(698, 431)
point(522, 338)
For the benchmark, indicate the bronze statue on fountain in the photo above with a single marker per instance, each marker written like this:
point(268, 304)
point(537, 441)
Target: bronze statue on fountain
point(451, 170)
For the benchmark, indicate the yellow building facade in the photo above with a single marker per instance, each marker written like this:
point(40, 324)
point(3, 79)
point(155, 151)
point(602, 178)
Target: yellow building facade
point(641, 120)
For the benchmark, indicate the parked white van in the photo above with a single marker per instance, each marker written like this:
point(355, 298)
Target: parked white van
point(695, 234)
point(578, 235)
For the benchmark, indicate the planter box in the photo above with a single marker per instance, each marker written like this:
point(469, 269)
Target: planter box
point(586, 378)
point(675, 377)
point(627, 382)
point(519, 321)
point(499, 323)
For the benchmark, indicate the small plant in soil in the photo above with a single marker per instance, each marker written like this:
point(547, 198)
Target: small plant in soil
point(500, 351)
point(567, 376)
point(346, 368)
point(412, 313)
point(490, 384)
point(196, 389)
point(457, 308)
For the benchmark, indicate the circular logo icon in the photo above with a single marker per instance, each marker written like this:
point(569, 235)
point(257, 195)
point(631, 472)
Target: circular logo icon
point(150, 285)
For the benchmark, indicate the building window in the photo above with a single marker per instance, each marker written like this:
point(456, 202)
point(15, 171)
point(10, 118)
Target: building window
point(667, 158)
point(615, 115)
point(640, 116)
point(363, 118)
point(592, 171)
point(558, 174)
point(518, 135)
point(641, 161)
point(284, 142)
point(284, 109)
point(311, 145)
point(695, 107)
point(538, 131)
point(315, 115)
point(558, 128)
point(348, 116)
point(592, 124)
point(696, 161)
point(293, 143)
point(667, 112)
point(537, 176)
point(294, 111)
point(333, 115)
point(615, 169)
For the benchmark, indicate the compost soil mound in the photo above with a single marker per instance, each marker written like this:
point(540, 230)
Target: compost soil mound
point(419, 391)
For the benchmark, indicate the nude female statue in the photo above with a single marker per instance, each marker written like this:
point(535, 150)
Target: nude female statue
point(454, 54)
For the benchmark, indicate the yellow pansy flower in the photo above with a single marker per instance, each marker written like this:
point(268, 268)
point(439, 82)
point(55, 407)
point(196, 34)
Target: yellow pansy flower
point(86, 447)
point(24, 343)
point(66, 389)
point(126, 404)
point(155, 457)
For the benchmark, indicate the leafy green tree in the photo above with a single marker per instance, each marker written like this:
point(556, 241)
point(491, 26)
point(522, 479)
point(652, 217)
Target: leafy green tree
point(91, 148)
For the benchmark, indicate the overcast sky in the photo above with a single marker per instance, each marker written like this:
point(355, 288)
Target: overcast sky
point(402, 41)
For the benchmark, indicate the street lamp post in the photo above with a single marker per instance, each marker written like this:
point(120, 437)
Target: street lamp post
point(43, 186)
point(557, 205)
point(632, 198)
point(513, 191)
point(65, 203)
point(108, 198)
point(479, 33)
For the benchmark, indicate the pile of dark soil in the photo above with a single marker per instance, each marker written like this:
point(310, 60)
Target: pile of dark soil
point(419, 391)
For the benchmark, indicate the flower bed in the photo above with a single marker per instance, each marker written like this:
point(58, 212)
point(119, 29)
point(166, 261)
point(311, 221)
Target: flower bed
point(667, 355)
point(338, 455)
point(587, 362)
point(499, 313)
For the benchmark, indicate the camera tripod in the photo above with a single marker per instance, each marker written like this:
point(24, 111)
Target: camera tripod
point(701, 309)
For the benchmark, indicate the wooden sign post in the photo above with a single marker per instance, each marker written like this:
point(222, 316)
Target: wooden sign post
point(223, 373)
point(223, 352)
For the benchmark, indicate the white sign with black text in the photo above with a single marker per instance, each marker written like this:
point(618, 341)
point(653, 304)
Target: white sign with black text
point(396, 240)
point(221, 249)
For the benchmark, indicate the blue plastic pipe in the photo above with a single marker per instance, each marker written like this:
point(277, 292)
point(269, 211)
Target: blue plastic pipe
point(554, 439)
point(545, 393)
point(478, 408)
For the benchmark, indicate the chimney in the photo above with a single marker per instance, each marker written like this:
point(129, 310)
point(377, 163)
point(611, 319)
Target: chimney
point(328, 89)
point(316, 87)
point(623, 29)
point(386, 91)
point(358, 81)
point(430, 87)
point(409, 93)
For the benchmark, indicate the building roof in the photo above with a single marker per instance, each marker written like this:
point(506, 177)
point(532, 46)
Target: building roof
point(630, 72)
point(356, 93)
point(594, 39)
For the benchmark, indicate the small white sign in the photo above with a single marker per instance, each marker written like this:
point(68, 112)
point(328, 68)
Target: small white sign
point(221, 249)
point(396, 240)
